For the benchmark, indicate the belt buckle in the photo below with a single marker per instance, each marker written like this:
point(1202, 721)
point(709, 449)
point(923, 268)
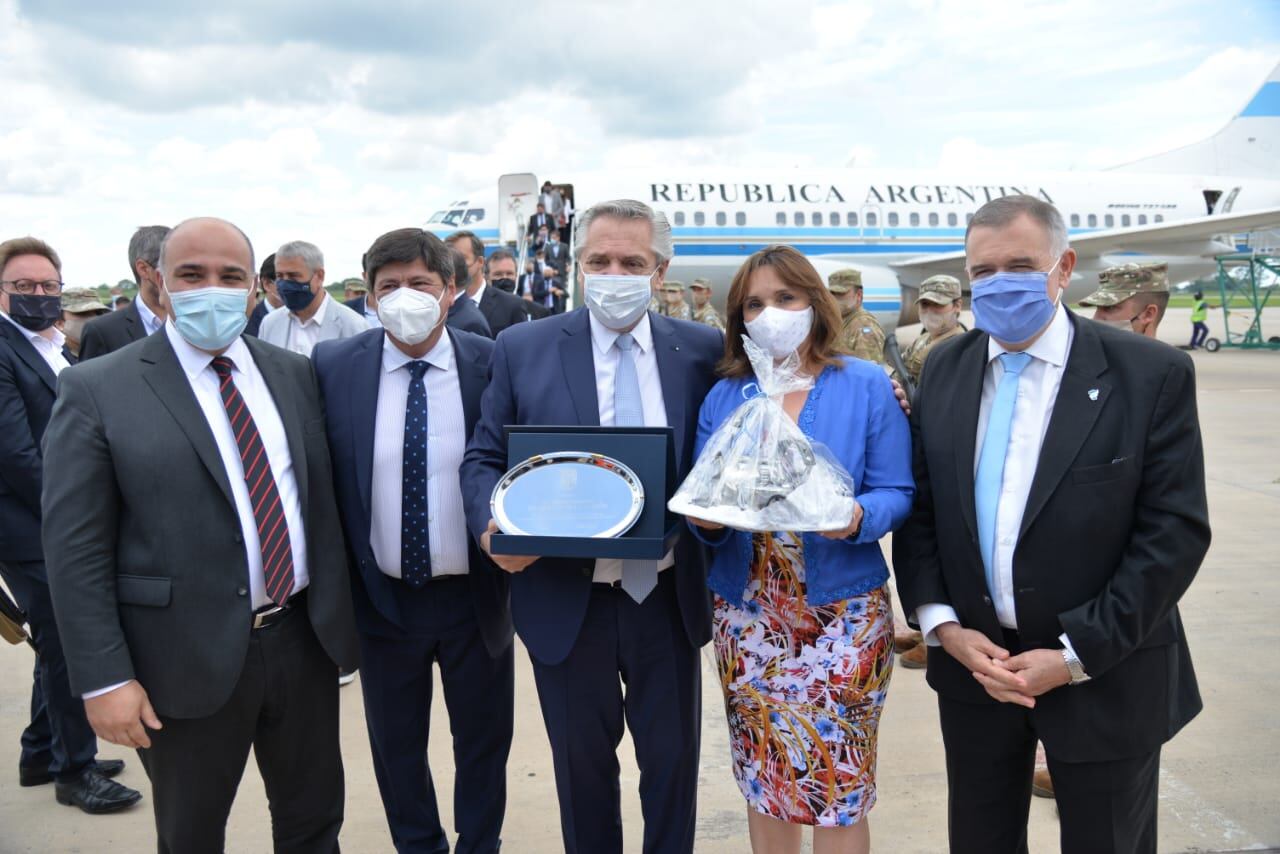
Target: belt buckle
point(260, 617)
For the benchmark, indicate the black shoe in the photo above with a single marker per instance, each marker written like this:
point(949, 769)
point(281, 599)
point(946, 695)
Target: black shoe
point(95, 794)
point(40, 776)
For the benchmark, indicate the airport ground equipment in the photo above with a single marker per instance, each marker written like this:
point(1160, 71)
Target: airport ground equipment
point(1246, 282)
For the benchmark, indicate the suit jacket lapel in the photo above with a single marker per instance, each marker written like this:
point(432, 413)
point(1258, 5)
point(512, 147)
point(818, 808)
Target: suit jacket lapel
point(966, 399)
point(27, 352)
point(1081, 397)
point(578, 361)
point(671, 366)
point(366, 377)
point(134, 328)
point(163, 372)
point(282, 391)
point(473, 376)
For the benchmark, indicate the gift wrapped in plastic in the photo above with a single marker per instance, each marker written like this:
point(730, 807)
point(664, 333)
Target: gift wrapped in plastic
point(758, 471)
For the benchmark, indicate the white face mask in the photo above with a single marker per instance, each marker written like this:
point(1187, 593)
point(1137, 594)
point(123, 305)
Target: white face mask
point(933, 322)
point(617, 301)
point(780, 331)
point(409, 316)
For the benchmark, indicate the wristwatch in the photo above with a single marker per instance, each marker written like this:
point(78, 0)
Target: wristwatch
point(1078, 676)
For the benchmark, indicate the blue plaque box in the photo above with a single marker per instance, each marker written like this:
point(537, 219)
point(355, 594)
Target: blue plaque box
point(647, 451)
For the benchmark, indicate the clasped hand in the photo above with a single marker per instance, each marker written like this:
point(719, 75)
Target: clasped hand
point(1008, 678)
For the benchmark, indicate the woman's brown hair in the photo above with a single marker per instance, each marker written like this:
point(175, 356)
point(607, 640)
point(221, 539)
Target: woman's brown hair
point(796, 272)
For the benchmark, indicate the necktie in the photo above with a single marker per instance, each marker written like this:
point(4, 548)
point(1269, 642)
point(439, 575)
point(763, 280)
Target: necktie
point(639, 577)
point(415, 544)
point(995, 445)
point(273, 530)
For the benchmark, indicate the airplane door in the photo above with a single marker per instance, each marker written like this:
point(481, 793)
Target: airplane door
point(871, 221)
point(517, 197)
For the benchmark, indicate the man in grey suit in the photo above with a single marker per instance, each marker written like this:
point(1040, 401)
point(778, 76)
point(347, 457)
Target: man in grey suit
point(196, 559)
point(312, 316)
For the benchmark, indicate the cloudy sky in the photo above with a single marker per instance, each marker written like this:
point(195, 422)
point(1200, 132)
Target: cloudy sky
point(336, 121)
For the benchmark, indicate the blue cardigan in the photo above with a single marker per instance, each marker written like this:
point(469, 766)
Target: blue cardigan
point(853, 412)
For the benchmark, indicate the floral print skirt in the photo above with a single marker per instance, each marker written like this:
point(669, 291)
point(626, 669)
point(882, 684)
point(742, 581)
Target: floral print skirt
point(803, 689)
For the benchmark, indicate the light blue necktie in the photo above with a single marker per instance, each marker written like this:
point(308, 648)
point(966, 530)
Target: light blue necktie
point(995, 446)
point(639, 577)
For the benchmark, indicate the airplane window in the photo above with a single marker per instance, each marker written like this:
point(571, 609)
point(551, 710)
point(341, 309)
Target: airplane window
point(914, 220)
point(1124, 219)
point(933, 219)
point(740, 218)
point(1142, 219)
point(968, 218)
point(893, 219)
point(1109, 221)
point(782, 217)
point(679, 217)
point(1093, 220)
point(721, 219)
point(1159, 217)
point(952, 219)
point(473, 215)
point(817, 219)
point(798, 218)
point(1075, 220)
point(699, 218)
point(851, 220)
point(872, 219)
point(834, 218)
point(438, 216)
point(452, 217)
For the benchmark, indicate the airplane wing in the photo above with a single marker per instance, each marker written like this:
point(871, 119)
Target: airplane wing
point(1200, 237)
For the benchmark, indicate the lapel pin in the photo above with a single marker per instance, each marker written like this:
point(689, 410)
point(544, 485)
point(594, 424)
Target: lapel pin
point(1093, 394)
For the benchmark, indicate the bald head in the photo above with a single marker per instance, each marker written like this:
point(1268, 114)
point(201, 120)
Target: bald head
point(206, 252)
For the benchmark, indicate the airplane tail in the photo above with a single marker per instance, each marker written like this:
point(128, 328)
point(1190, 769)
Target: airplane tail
point(1248, 147)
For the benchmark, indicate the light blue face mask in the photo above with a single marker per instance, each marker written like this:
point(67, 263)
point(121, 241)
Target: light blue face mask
point(209, 318)
point(1013, 307)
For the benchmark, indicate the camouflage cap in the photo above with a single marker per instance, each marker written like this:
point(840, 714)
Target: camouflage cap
point(940, 289)
point(1117, 284)
point(82, 300)
point(843, 281)
point(673, 285)
point(355, 285)
point(701, 283)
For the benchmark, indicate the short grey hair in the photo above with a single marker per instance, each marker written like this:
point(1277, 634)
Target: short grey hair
point(662, 245)
point(145, 246)
point(164, 244)
point(998, 213)
point(308, 253)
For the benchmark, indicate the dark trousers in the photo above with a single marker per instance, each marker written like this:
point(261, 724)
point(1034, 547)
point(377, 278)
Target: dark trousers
point(1102, 806)
point(59, 735)
point(643, 647)
point(284, 706)
point(1199, 332)
point(479, 692)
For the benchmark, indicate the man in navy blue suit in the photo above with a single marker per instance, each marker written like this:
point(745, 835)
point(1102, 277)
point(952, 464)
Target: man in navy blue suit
point(592, 627)
point(400, 402)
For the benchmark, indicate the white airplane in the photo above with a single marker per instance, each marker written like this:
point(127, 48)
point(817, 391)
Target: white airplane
point(898, 227)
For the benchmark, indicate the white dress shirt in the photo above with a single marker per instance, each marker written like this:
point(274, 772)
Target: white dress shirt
point(605, 355)
point(48, 344)
point(446, 441)
point(479, 292)
point(304, 335)
point(150, 321)
point(198, 367)
point(1032, 409)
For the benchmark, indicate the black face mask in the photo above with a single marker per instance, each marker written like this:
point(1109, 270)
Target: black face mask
point(508, 285)
point(36, 312)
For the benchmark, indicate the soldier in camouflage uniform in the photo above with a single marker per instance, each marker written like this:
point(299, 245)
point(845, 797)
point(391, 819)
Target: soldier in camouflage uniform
point(862, 336)
point(703, 310)
point(1131, 296)
point(673, 304)
point(939, 305)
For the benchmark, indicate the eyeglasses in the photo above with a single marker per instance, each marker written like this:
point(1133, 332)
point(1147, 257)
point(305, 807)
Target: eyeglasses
point(51, 287)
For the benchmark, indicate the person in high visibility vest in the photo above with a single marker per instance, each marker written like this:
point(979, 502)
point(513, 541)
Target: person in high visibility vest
point(1199, 312)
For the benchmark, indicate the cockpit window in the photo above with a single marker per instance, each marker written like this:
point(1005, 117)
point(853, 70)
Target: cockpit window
point(453, 217)
point(473, 215)
point(438, 216)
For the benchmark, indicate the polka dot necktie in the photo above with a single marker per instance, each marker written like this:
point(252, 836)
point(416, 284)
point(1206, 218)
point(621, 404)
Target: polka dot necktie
point(415, 544)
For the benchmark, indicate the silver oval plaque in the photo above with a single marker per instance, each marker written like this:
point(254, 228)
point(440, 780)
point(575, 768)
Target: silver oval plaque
point(568, 494)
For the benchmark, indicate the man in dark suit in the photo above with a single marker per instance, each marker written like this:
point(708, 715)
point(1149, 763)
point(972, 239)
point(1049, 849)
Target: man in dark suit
point(463, 313)
point(1060, 515)
point(590, 625)
point(427, 601)
point(540, 220)
point(557, 255)
point(270, 299)
point(146, 314)
point(58, 744)
point(500, 309)
point(501, 271)
point(196, 557)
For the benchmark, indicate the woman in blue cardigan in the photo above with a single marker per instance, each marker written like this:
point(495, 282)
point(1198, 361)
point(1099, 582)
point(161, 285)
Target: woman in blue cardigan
point(803, 622)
